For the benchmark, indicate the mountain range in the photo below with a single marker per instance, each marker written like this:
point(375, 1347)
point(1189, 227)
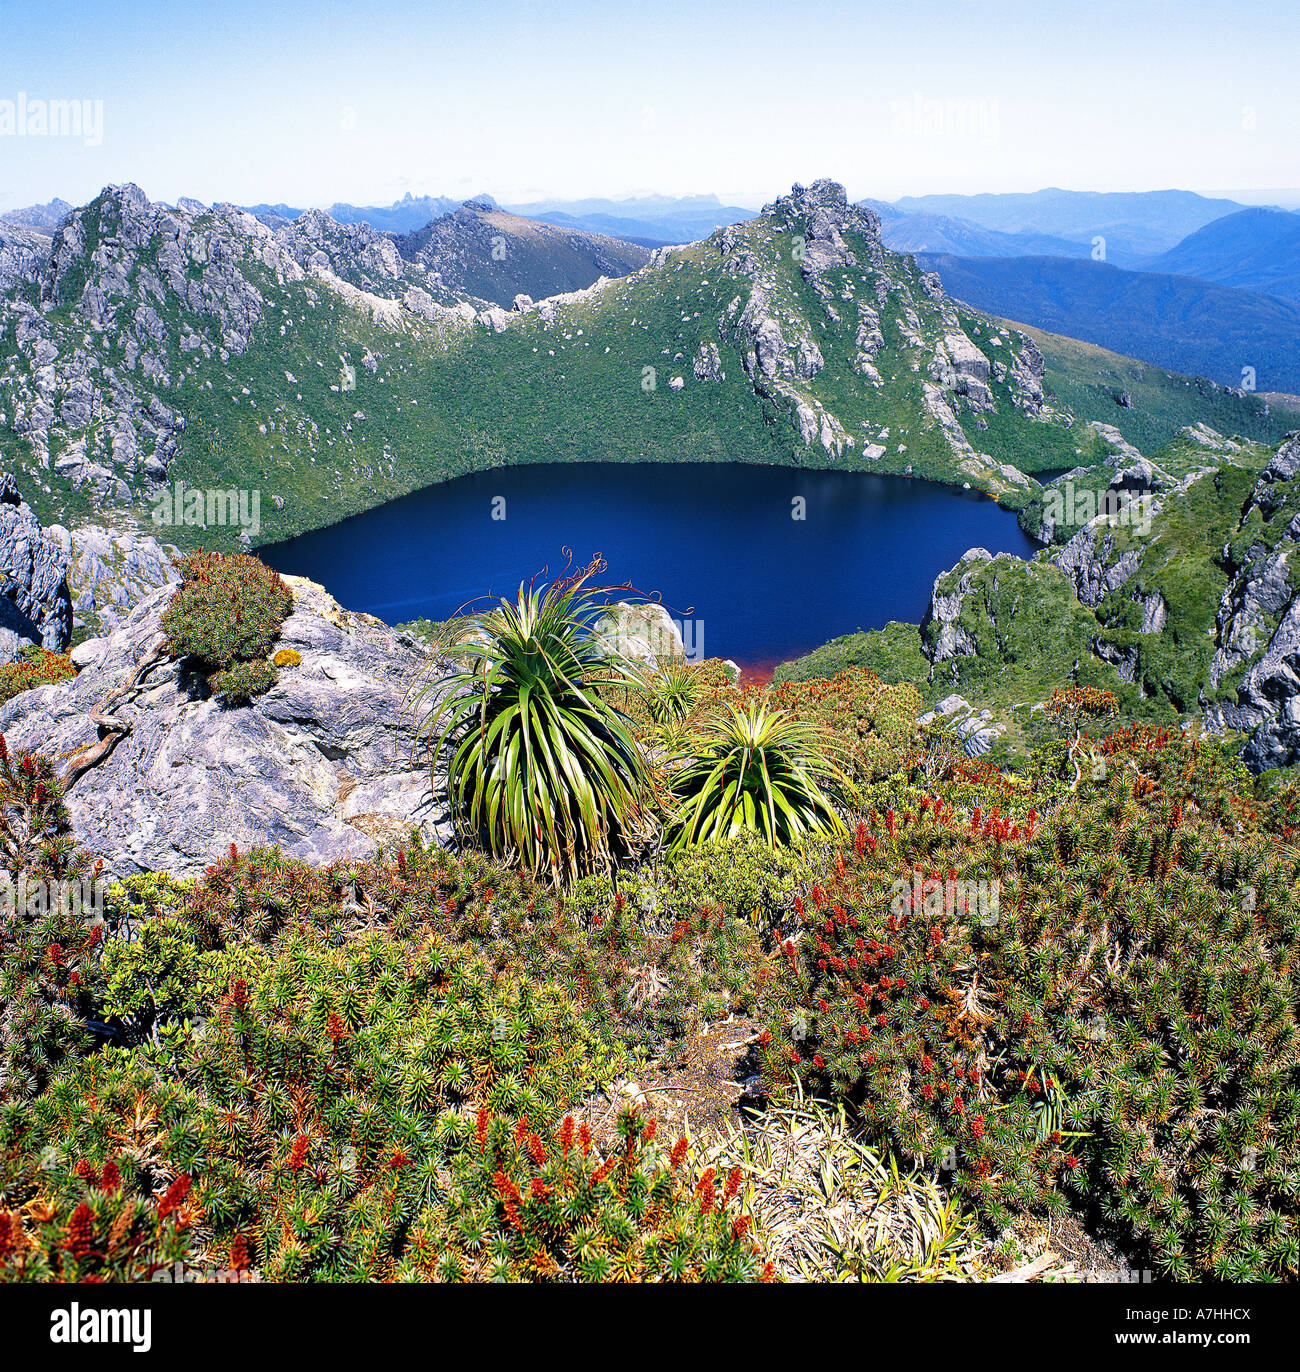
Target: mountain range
point(1258, 249)
point(402, 216)
point(1213, 302)
point(146, 343)
point(1235, 337)
point(1136, 225)
point(941, 233)
point(651, 220)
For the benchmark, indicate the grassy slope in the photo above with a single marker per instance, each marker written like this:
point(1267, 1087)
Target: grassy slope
point(1088, 379)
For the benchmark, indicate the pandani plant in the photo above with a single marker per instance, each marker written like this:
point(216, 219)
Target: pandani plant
point(542, 770)
point(759, 769)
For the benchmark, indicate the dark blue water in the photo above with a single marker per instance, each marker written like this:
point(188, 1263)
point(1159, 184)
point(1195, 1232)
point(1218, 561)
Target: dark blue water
point(716, 541)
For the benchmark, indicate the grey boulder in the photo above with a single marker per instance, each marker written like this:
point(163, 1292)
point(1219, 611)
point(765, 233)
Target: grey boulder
point(322, 764)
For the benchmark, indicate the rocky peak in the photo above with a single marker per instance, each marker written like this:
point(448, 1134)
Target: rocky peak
point(43, 218)
point(824, 210)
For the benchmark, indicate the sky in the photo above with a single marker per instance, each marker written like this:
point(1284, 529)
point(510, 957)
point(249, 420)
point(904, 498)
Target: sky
point(313, 101)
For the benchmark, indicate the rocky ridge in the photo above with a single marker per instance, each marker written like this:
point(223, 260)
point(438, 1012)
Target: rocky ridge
point(1115, 568)
point(110, 315)
point(1257, 625)
point(148, 342)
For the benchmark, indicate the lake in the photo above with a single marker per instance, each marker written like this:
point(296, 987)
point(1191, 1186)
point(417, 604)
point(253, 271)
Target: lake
point(760, 563)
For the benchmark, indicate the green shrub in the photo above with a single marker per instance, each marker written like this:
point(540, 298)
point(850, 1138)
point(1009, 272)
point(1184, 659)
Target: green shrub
point(673, 963)
point(873, 721)
point(225, 615)
point(240, 684)
point(892, 653)
point(149, 964)
point(638, 977)
point(149, 987)
point(320, 1104)
point(1118, 1032)
point(742, 876)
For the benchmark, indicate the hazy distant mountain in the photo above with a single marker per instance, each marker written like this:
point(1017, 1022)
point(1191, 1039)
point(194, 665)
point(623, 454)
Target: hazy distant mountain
point(1136, 225)
point(636, 207)
point(644, 234)
point(1257, 249)
point(482, 250)
point(940, 233)
point(42, 218)
point(1197, 327)
point(651, 220)
point(402, 216)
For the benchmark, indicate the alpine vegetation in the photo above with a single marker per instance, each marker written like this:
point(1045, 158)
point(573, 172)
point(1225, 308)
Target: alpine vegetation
point(384, 903)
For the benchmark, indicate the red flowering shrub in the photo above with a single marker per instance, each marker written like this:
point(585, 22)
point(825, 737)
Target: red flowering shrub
point(1118, 1028)
point(36, 667)
point(49, 950)
point(639, 985)
point(528, 1208)
point(94, 1232)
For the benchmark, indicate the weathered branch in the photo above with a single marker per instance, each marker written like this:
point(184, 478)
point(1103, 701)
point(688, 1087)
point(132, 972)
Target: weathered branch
point(112, 728)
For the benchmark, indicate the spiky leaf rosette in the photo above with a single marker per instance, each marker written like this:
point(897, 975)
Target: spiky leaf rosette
point(543, 771)
point(760, 770)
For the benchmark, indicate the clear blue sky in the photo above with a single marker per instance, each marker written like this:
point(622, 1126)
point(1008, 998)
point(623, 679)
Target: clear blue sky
point(309, 102)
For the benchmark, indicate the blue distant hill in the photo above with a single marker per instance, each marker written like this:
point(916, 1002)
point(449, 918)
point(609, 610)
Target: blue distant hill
point(1258, 249)
point(1197, 327)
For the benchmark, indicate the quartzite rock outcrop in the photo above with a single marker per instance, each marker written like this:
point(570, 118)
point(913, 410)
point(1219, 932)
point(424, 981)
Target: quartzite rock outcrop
point(321, 765)
point(1258, 621)
point(35, 607)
